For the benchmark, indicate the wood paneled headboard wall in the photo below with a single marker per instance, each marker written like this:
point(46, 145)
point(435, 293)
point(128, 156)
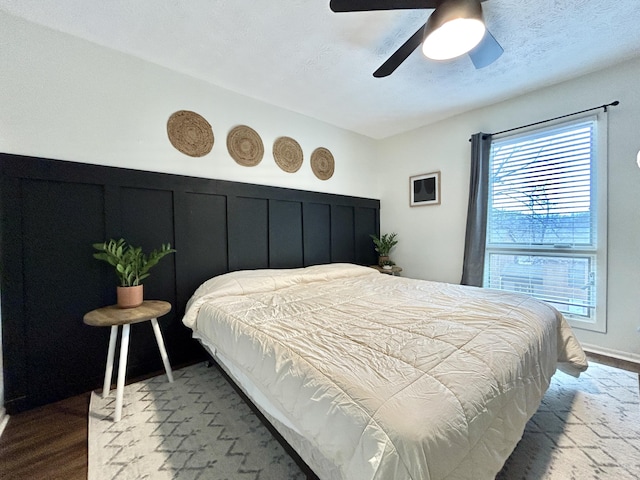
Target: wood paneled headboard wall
point(52, 211)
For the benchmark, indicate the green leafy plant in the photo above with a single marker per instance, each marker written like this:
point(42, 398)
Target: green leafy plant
point(131, 264)
point(384, 243)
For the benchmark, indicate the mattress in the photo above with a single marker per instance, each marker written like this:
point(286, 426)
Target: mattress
point(371, 377)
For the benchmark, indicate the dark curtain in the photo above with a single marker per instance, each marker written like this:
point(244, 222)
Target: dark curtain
point(474, 245)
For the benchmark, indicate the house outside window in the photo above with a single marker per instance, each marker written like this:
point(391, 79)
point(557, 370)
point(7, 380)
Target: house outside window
point(546, 219)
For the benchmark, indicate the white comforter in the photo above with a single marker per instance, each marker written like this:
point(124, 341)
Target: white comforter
point(388, 377)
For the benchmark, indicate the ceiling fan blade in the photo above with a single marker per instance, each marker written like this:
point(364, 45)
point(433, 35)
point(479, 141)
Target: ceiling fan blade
point(486, 52)
point(400, 55)
point(370, 5)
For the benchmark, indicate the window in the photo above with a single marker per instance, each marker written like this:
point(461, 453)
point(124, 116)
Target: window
point(546, 230)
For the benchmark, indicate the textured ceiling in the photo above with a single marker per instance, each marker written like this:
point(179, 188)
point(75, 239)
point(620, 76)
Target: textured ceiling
point(299, 55)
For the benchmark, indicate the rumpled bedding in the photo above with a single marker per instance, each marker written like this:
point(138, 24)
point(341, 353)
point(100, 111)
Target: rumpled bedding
point(388, 377)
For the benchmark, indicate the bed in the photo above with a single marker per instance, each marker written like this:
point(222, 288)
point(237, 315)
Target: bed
point(369, 376)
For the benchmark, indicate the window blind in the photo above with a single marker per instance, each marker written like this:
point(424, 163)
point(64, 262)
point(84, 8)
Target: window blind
point(541, 188)
point(541, 235)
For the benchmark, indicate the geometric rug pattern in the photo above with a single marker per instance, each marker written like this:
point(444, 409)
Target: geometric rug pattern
point(199, 428)
point(586, 428)
point(194, 428)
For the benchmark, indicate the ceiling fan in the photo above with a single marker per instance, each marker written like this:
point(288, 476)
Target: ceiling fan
point(454, 28)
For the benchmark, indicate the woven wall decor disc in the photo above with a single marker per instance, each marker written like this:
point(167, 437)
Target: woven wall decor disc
point(322, 163)
point(190, 133)
point(245, 146)
point(288, 154)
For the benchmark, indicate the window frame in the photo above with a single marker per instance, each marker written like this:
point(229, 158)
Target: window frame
point(598, 194)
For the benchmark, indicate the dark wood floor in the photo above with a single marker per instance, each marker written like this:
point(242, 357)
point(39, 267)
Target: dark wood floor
point(50, 442)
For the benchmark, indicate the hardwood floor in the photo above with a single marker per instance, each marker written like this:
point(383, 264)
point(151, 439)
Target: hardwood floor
point(614, 362)
point(49, 442)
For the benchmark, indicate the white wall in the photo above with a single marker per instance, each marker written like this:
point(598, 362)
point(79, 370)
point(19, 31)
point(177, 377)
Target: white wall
point(432, 237)
point(69, 99)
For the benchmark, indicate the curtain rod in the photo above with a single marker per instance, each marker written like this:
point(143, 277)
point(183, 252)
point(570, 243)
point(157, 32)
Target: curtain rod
point(605, 106)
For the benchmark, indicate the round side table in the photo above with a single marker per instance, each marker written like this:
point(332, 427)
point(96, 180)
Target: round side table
point(113, 316)
point(389, 271)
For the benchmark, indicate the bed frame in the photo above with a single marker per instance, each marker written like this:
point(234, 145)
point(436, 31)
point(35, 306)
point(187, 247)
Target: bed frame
point(52, 211)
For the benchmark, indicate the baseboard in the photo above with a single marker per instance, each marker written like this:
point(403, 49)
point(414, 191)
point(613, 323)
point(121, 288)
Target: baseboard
point(615, 358)
point(609, 352)
point(4, 419)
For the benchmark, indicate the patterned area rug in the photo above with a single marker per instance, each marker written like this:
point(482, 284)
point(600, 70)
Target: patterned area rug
point(586, 428)
point(199, 428)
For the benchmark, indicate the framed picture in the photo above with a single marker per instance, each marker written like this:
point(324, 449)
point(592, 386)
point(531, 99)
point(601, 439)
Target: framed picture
point(425, 189)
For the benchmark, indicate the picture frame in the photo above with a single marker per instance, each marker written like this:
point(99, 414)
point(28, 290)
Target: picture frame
point(424, 189)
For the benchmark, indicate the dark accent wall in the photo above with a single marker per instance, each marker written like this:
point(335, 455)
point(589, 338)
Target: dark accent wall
point(51, 213)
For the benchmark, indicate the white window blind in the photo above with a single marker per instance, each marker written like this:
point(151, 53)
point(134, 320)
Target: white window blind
point(542, 223)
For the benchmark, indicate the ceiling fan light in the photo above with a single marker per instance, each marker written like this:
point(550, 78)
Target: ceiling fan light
point(453, 29)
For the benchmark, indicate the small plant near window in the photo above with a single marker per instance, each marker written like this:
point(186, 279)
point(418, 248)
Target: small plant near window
point(383, 245)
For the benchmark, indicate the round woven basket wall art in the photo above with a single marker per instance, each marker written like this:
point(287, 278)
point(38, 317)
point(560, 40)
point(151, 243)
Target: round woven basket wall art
point(288, 154)
point(322, 163)
point(245, 146)
point(190, 133)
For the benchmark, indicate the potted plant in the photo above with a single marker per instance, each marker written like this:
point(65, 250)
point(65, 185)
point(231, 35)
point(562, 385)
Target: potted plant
point(383, 246)
point(387, 264)
point(131, 265)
